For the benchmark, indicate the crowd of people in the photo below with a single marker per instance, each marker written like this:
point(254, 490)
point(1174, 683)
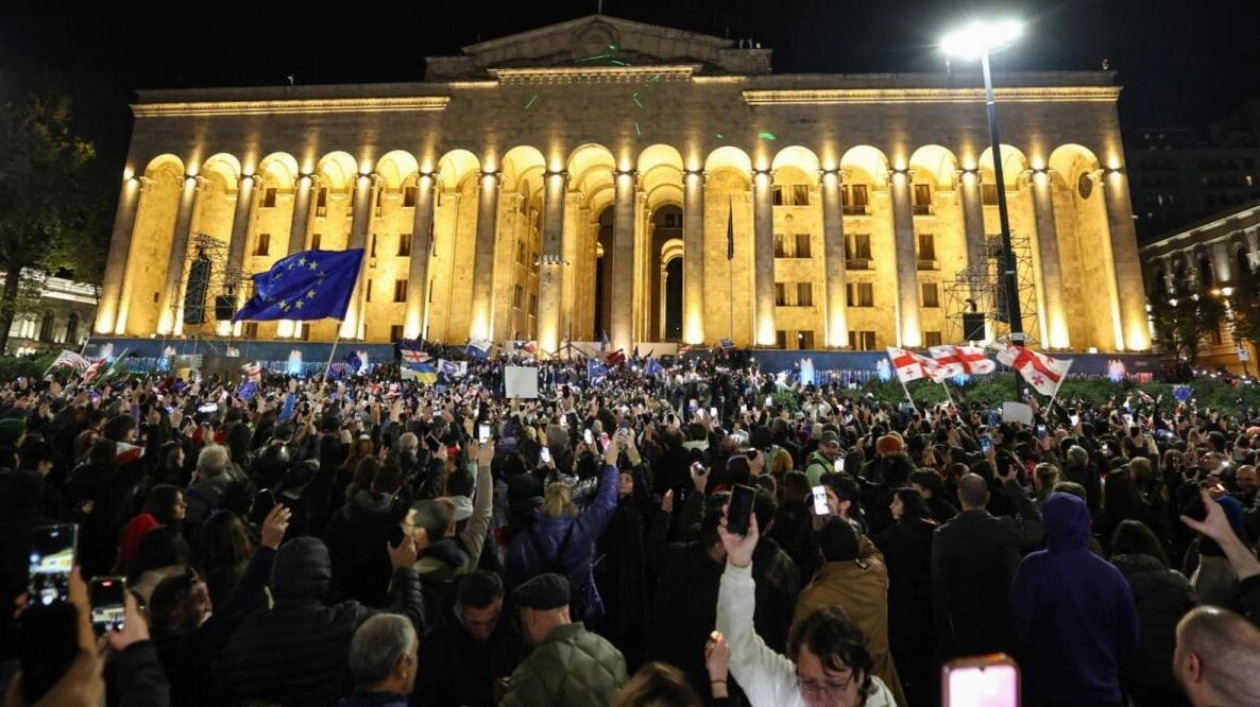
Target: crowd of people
point(376, 541)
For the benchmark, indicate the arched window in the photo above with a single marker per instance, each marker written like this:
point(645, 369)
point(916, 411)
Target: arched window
point(1157, 285)
point(46, 330)
point(72, 328)
point(1243, 260)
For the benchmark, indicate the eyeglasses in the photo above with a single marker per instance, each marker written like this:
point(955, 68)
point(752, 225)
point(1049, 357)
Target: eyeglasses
point(823, 689)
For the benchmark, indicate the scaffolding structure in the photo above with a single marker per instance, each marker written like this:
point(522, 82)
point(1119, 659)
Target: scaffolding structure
point(979, 289)
point(196, 311)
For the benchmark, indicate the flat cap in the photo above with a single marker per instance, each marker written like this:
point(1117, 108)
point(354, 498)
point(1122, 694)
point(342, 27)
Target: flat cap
point(544, 592)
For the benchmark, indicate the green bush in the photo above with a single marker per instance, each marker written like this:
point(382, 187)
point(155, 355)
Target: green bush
point(14, 367)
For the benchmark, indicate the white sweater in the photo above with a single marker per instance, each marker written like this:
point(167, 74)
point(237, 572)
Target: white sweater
point(767, 678)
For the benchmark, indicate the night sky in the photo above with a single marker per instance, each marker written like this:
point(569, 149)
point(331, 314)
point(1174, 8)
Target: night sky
point(1182, 63)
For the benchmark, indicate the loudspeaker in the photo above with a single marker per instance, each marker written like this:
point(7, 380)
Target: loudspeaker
point(224, 307)
point(973, 326)
point(195, 294)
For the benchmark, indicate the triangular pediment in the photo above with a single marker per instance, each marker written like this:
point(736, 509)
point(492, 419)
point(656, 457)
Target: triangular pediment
point(600, 40)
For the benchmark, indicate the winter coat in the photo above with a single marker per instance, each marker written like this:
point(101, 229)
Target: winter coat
point(974, 558)
point(1162, 597)
point(1073, 614)
point(296, 653)
point(768, 678)
point(456, 669)
point(572, 667)
point(860, 587)
point(356, 537)
point(19, 515)
point(907, 550)
point(524, 561)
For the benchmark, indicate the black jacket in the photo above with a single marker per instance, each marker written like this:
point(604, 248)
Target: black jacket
point(974, 558)
point(19, 515)
point(907, 550)
point(1162, 597)
point(134, 678)
point(296, 653)
point(456, 670)
point(356, 537)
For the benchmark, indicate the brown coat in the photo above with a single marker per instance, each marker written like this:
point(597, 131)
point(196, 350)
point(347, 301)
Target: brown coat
point(861, 588)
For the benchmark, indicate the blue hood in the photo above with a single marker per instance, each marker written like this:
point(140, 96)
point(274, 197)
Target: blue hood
point(1066, 521)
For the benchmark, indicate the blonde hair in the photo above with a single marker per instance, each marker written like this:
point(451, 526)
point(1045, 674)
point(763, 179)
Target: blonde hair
point(781, 462)
point(558, 500)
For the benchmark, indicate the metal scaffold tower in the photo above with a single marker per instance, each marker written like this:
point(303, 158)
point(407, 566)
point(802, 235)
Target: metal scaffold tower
point(978, 290)
point(211, 290)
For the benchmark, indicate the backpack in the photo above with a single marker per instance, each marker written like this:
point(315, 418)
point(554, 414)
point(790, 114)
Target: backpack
point(578, 601)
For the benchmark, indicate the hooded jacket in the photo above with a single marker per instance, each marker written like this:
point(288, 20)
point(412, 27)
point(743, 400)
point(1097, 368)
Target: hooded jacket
point(1073, 613)
point(296, 653)
point(356, 538)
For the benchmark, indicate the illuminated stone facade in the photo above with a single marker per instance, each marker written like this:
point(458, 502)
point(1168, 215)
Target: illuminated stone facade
point(558, 183)
point(1209, 256)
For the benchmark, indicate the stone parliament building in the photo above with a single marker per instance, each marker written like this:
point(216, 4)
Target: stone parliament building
point(660, 185)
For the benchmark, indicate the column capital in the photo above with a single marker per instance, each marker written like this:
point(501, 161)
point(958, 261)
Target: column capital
point(904, 171)
point(703, 175)
point(837, 172)
point(250, 179)
point(768, 172)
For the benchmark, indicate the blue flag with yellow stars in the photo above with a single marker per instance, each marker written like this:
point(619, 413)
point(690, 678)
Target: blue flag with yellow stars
point(313, 284)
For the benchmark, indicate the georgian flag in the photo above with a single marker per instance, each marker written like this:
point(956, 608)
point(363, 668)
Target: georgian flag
point(1042, 372)
point(962, 360)
point(911, 366)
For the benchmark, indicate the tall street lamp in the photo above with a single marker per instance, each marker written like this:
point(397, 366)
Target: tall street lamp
point(979, 39)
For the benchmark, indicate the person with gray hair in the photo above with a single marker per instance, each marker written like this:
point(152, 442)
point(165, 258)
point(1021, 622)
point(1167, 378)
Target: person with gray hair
point(209, 484)
point(384, 660)
point(1079, 469)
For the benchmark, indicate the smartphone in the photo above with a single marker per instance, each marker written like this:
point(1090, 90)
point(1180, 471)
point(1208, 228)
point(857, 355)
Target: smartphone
point(986, 443)
point(52, 557)
point(108, 595)
point(483, 433)
point(604, 440)
point(820, 501)
point(739, 512)
point(743, 409)
point(982, 681)
point(544, 455)
point(1074, 419)
point(838, 465)
point(1041, 431)
point(713, 413)
point(588, 437)
point(769, 401)
point(208, 407)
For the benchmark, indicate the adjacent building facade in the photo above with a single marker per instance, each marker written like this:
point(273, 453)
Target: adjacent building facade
point(1209, 256)
point(61, 316)
point(1180, 175)
point(659, 185)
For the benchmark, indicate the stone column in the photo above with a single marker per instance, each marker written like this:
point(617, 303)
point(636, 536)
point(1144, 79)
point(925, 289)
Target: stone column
point(421, 249)
point(551, 265)
point(622, 310)
point(360, 219)
point(1130, 295)
point(693, 256)
point(108, 316)
point(907, 263)
point(763, 259)
point(169, 316)
point(1055, 314)
point(483, 262)
point(973, 215)
point(836, 325)
point(240, 221)
point(301, 214)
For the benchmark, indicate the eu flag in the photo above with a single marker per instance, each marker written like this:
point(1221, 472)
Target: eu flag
point(313, 284)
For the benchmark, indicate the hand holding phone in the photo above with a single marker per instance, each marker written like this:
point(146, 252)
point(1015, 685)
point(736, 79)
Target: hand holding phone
point(53, 550)
point(109, 601)
point(544, 455)
point(984, 681)
point(821, 508)
point(483, 433)
point(739, 512)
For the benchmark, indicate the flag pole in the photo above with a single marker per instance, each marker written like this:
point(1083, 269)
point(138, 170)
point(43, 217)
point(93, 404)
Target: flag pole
point(332, 352)
point(907, 390)
point(947, 395)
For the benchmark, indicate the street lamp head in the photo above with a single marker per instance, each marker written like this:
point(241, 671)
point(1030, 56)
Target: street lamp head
point(981, 37)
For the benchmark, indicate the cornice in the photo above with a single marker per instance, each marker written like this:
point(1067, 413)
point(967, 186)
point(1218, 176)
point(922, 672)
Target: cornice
point(283, 107)
point(594, 74)
point(832, 96)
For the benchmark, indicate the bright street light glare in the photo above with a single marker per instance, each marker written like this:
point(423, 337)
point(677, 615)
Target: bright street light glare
point(980, 37)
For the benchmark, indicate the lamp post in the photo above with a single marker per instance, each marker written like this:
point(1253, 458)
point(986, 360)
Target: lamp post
point(980, 39)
